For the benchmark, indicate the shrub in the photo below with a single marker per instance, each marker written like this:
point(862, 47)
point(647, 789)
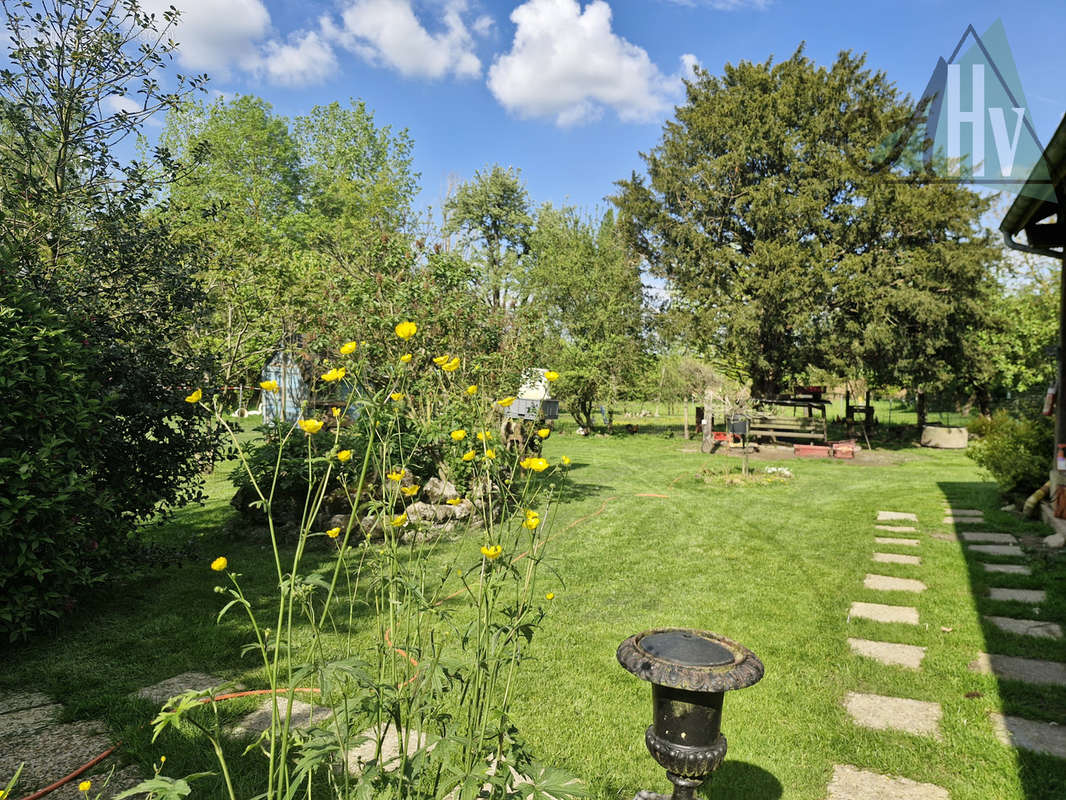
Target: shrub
point(1015, 452)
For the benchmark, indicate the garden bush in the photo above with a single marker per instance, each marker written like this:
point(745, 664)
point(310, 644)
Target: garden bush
point(1015, 452)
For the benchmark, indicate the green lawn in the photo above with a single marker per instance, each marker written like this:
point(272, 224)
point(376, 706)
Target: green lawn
point(775, 567)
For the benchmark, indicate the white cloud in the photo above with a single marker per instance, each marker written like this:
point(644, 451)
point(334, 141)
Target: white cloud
point(307, 58)
point(115, 103)
point(568, 64)
point(388, 32)
point(214, 35)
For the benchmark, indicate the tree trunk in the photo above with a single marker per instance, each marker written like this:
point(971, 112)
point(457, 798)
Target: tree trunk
point(919, 406)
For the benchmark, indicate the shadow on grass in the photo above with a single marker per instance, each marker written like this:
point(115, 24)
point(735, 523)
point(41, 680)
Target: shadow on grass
point(739, 780)
point(1043, 777)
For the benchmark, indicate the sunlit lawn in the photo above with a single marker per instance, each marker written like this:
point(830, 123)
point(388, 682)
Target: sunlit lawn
point(642, 542)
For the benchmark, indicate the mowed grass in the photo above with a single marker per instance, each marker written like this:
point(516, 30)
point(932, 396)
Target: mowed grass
point(641, 542)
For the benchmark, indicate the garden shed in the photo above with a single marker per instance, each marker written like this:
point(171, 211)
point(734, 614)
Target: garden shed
point(293, 389)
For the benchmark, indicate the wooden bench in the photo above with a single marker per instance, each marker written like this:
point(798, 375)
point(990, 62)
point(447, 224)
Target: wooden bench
point(774, 428)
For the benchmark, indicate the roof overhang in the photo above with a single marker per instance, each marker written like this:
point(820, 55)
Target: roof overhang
point(1040, 198)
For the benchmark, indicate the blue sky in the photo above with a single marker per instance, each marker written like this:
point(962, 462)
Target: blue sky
point(571, 91)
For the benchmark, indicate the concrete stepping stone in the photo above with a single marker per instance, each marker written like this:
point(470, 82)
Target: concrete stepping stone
point(897, 528)
point(1027, 627)
point(891, 653)
point(900, 542)
point(1027, 734)
point(1010, 569)
point(996, 549)
point(358, 757)
point(852, 783)
point(1026, 670)
point(20, 701)
point(897, 558)
point(890, 516)
point(1030, 596)
point(159, 693)
point(303, 716)
point(879, 612)
point(881, 713)
point(963, 521)
point(989, 537)
point(886, 583)
point(964, 512)
point(945, 537)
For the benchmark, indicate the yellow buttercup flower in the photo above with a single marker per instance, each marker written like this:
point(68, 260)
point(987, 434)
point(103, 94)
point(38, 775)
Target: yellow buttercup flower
point(458, 435)
point(409, 491)
point(504, 402)
point(344, 455)
point(219, 564)
point(550, 376)
point(531, 522)
point(336, 411)
point(310, 426)
point(565, 460)
point(268, 386)
point(490, 453)
point(85, 786)
point(400, 519)
point(348, 347)
point(526, 462)
point(544, 433)
point(471, 389)
point(538, 464)
point(333, 533)
point(405, 330)
point(194, 397)
point(549, 596)
point(440, 361)
point(491, 552)
point(334, 374)
point(396, 475)
point(451, 366)
point(405, 357)
point(396, 397)
point(469, 455)
point(484, 436)
point(454, 501)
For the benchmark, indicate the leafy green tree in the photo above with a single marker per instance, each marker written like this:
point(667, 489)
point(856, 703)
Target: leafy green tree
point(492, 211)
point(784, 251)
point(91, 270)
point(588, 293)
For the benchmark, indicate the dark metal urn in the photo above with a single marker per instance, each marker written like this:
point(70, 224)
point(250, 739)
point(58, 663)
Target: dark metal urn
point(690, 671)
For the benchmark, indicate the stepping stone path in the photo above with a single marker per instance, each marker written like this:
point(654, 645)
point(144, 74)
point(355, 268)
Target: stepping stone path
point(899, 542)
point(1026, 670)
point(878, 712)
point(964, 512)
point(877, 612)
point(1010, 569)
point(897, 558)
point(886, 583)
point(159, 693)
point(1027, 627)
point(30, 733)
point(1030, 596)
point(852, 783)
point(901, 655)
point(1027, 734)
point(303, 715)
point(996, 549)
point(897, 528)
point(989, 537)
point(963, 521)
point(891, 516)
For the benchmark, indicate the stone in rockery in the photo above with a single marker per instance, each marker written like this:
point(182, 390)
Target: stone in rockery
point(437, 490)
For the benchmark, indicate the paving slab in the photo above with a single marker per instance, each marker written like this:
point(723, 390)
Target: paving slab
point(945, 537)
point(963, 521)
point(358, 757)
point(882, 713)
point(884, 613)
point(852, 783)
point(1027, 734)
point(159, 693)
point(898, 542)
point(988, 537)
point(897, 558)
point(1009, 569)
point(964, 512)
point(20, 701)
point(303, 716)
point(1027, 627)
point(886, 583)
point(890, 516)
point(897, 528)
point(1030, 596)
point(891, 653)
point(996, 549)
point(1026, 670)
